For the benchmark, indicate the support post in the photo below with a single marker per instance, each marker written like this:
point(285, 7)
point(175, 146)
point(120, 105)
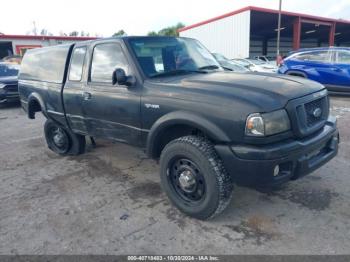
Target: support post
point(279, 29)
point(332, 34)
point(296, 33)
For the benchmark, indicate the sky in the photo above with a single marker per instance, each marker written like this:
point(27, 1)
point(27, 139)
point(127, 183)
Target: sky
point(138, 17)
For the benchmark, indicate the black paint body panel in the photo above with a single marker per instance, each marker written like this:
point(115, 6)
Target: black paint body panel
point(216, 103)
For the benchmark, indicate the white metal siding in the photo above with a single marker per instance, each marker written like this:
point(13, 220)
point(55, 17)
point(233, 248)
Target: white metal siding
point(228, 36)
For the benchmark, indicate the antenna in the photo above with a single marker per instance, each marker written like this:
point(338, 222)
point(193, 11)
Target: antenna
point(279, 29)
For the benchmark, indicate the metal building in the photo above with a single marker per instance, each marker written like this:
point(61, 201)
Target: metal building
point(252, 31)
point(18, 44)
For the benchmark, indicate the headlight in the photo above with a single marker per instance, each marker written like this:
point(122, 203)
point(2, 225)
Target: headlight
point(267, 124)
point(2, 86)
point(255, 125)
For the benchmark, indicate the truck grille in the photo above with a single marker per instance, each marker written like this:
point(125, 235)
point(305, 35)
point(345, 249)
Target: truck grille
point(308, 114)
point(314, 111)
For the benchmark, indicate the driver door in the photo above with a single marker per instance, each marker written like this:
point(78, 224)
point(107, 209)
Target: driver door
point(111, 111)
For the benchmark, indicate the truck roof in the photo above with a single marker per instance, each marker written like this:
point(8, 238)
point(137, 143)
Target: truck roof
point(319, 49)
point(125, 38)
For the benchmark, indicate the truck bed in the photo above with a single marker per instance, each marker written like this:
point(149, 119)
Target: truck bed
point(42, 76)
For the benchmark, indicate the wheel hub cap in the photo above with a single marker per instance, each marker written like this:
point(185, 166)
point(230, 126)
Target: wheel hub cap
point(59, 138)
point(187, 181)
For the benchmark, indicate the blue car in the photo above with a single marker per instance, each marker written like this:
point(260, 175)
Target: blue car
point(328, 66)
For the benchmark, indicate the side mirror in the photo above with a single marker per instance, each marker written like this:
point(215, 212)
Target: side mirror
point(119, 77)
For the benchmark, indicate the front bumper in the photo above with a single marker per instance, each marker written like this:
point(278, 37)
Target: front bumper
point(254, 165)
point(8, 97)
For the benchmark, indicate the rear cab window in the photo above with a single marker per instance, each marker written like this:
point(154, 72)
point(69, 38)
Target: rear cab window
point(77, 64)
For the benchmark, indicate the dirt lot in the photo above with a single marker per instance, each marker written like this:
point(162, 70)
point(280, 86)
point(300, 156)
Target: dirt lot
point(108, 201)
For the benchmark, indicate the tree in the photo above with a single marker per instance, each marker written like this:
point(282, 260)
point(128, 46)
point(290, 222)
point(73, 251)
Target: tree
point(83, 33)
point(152, 33)
point(44, 32)
point(168, 31)
point(119, 33)
point(74, 33)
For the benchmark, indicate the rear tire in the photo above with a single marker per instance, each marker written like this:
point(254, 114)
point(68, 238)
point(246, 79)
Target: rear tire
point(63, 141)
point(194, 178)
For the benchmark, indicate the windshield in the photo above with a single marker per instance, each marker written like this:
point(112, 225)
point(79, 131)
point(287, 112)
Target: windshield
point(159, 56)
point(8, 70)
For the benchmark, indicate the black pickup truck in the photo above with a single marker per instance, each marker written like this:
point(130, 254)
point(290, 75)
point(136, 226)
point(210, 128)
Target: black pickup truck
point(209, 128)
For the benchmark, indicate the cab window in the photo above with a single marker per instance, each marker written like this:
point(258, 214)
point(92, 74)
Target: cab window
point(343, 57)
point(315, 56)
point(105, 59)
point(77, 63)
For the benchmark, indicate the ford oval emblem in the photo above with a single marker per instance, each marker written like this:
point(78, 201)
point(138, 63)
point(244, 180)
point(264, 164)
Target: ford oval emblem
point(317, 112)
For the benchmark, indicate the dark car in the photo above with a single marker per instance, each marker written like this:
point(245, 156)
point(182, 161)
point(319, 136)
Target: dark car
point(256, 65)
point(266, 59)
point(329, 66)
point(228, 64)
point(9, 82)
point(209, 128)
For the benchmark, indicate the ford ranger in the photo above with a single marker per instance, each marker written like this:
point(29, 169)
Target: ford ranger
point(209, 128)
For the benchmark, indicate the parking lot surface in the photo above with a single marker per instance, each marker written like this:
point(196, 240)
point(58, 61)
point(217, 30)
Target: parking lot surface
point(109, 201)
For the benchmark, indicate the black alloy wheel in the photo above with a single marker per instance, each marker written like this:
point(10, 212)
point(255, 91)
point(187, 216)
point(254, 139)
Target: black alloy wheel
point(186, 178)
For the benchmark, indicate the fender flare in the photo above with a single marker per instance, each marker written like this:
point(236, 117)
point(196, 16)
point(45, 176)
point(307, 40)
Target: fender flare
point(182, 118)
point(37, 98)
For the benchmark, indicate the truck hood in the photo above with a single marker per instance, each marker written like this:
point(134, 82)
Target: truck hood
point(266, 91)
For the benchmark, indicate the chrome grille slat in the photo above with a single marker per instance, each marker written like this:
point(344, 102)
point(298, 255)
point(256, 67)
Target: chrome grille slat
point(310, 108)
point(301, 113)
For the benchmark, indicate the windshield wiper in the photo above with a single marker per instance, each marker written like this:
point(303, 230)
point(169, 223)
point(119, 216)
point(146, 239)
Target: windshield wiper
point(177, 72)
point(227, 68)
point(209, 67)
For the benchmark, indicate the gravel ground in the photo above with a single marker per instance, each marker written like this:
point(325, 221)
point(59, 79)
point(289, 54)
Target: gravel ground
point(108, 201)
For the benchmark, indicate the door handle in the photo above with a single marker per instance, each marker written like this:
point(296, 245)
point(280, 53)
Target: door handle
point(86, 95)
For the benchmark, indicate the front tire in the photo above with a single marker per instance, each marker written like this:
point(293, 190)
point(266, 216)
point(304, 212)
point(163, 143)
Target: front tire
point(63, 141)
point(194, 178)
